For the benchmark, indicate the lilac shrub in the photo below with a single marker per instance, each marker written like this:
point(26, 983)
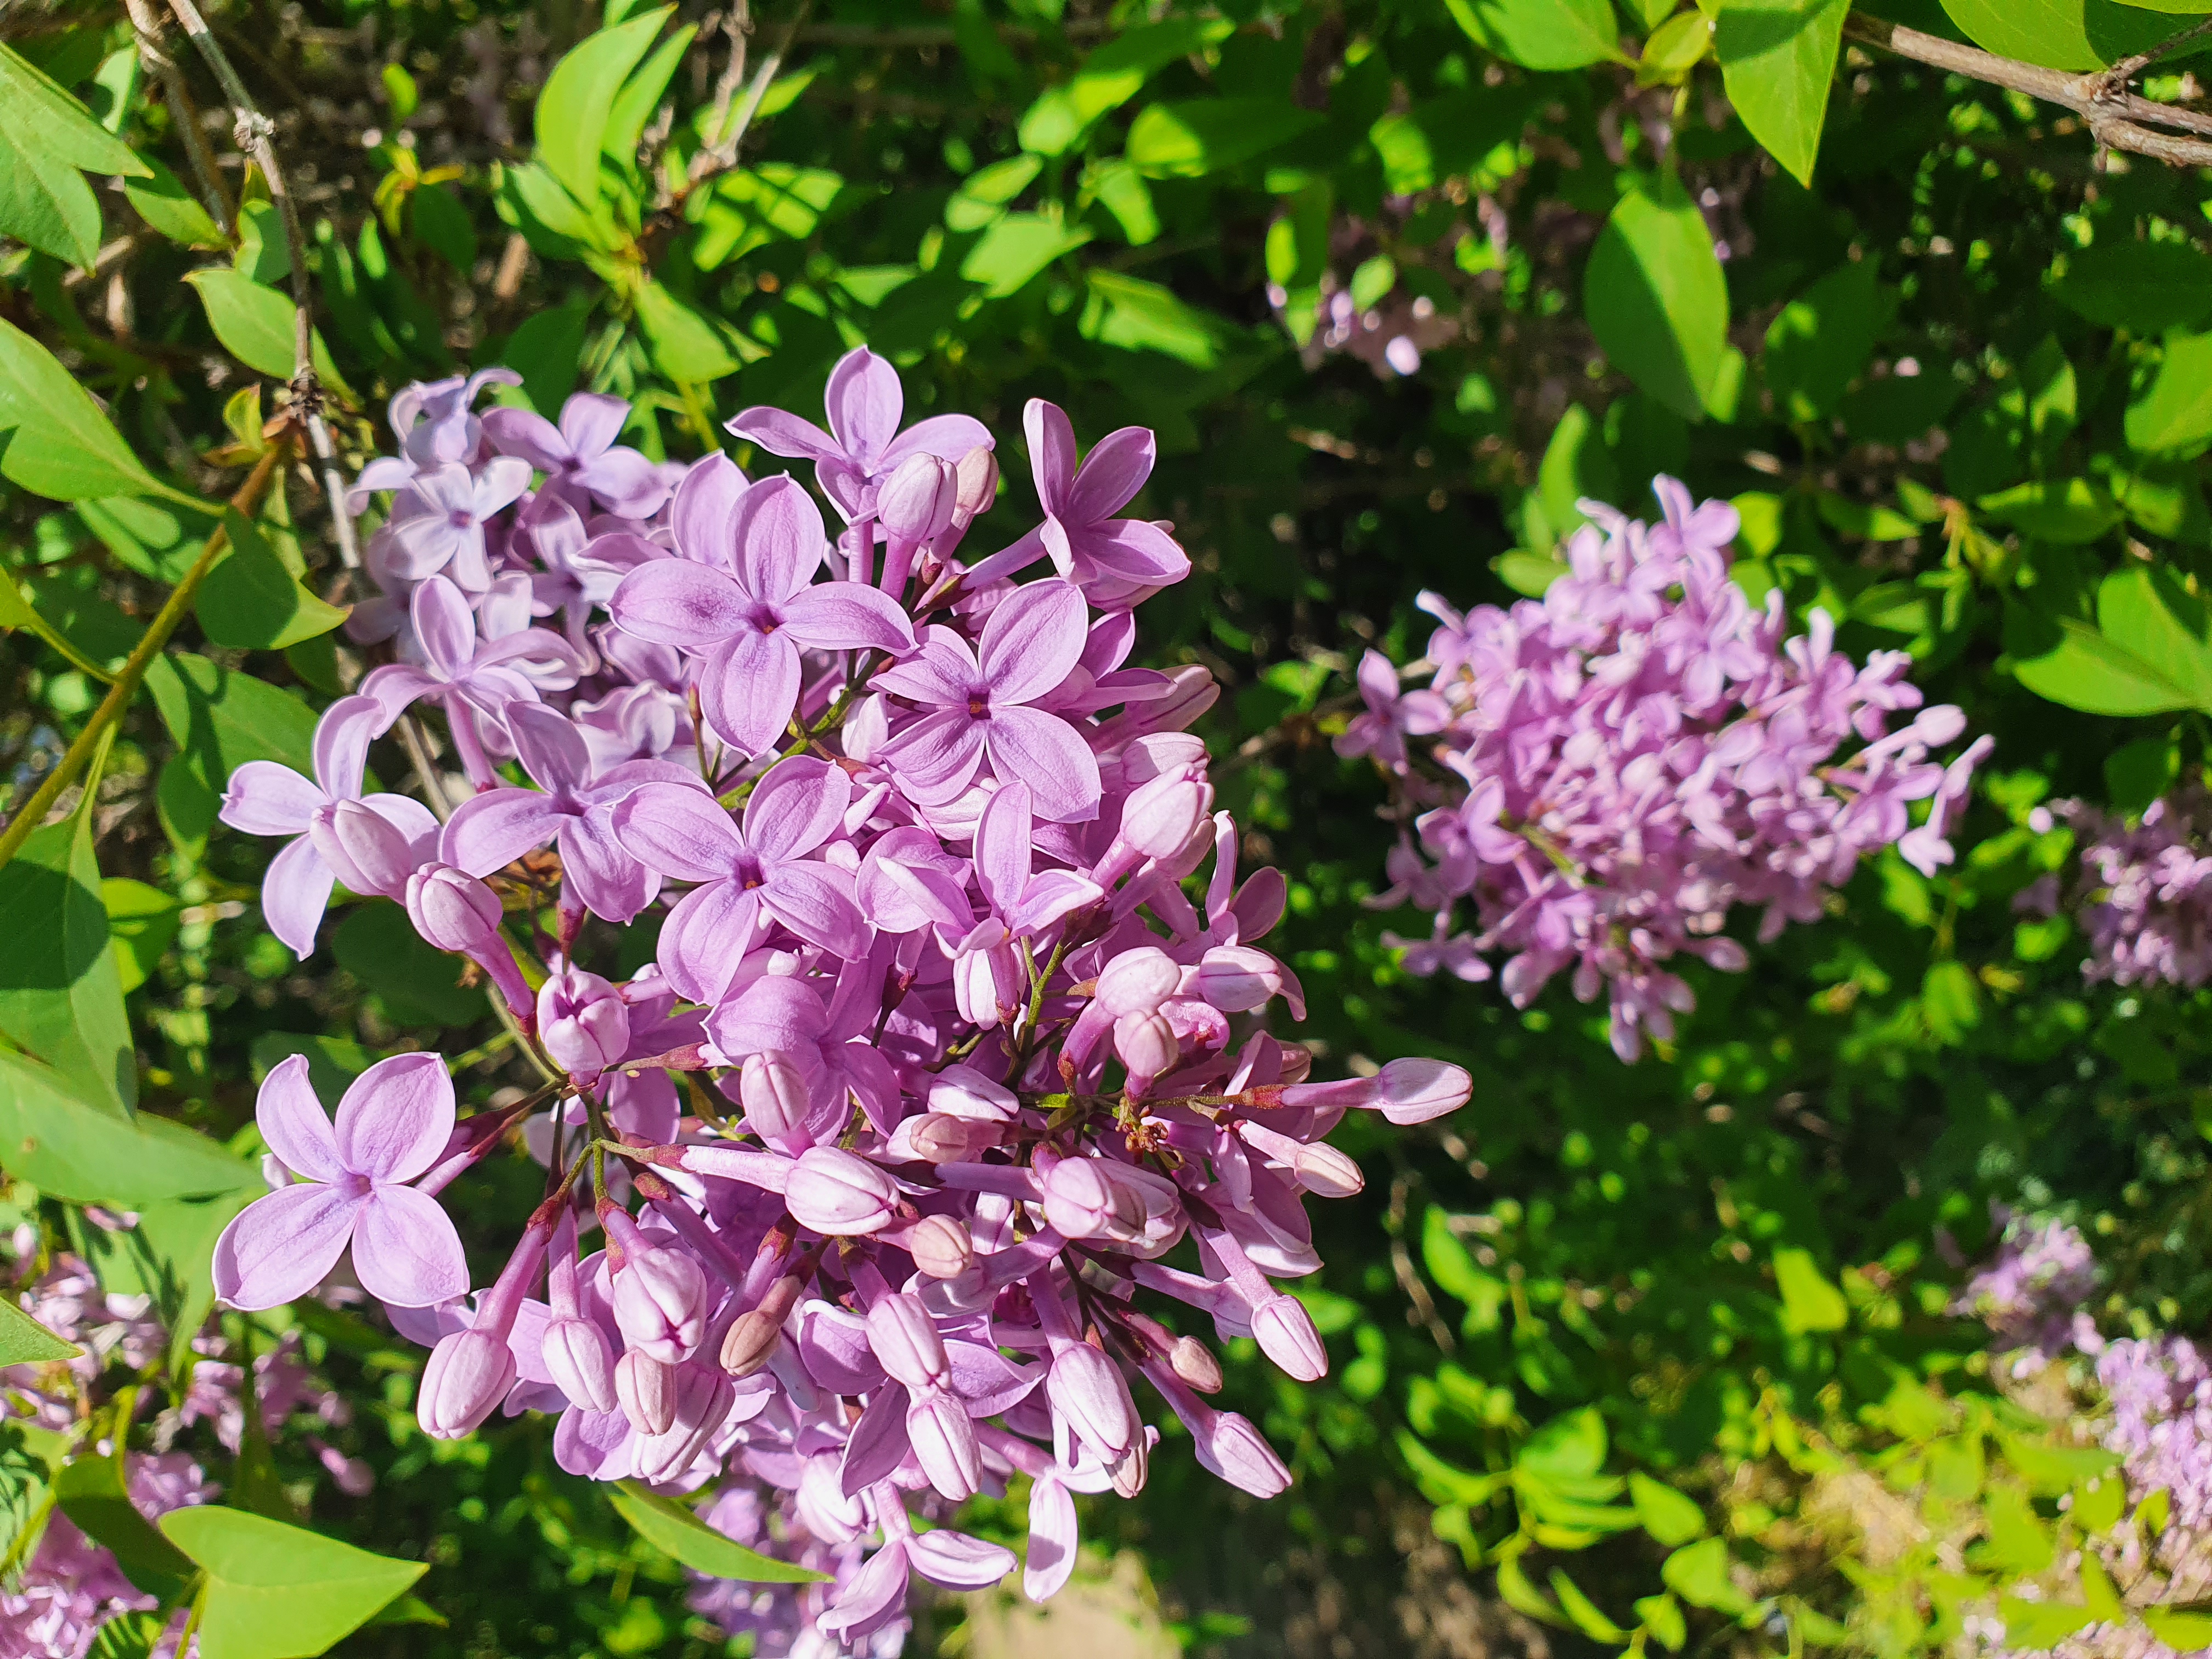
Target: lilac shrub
point(2143, 892)
point(1602, 776)
point(955, 1027)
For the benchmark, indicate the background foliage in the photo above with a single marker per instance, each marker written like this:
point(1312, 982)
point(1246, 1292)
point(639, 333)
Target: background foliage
point(1395, 283)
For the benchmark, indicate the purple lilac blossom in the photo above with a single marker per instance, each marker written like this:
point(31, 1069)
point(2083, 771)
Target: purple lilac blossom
point(2143, 892)
point(965, 1056)
point(1608, 771)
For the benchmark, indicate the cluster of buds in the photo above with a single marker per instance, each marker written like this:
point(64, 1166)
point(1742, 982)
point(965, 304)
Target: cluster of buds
point(954, 1033)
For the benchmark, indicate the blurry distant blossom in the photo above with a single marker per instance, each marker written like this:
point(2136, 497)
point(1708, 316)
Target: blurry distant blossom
point(2032, 1294)
point(2142, 892)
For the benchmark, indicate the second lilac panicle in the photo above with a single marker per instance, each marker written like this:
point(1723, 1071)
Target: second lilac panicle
point(963, 1058)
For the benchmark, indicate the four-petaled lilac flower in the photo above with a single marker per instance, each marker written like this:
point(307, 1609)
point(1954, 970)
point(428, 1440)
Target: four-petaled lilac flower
point(864, 444)
point(575, 811)
point(395, 1120)
point(987, 977)
point(438, 523)
point(265, 799)
point(752, 619)
point(749, 873)
point(581, 455)
point(1080, 534)
point(979, 706)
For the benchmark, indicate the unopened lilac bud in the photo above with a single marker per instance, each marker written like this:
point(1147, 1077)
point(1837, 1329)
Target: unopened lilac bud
point(703, 1397)
point(963, 1092)
point(975, 484)
point(661, 1304)
point(940, 1247)
point(1328, 1173)
point(916, 503)
point(1087, 1390)
point(750, 1343)
point(467, 1375)
point(1194, 1362)
point(368, 853)
point(1286, 1335)
point(646, 1391)
point(1236, 978)
point(1404, 1091)
point(944, 1442)
point(1128, 1475)
point(451, 909)
point(1083, 1201)
point(1160, 817)
point(939, 1137)
point(1229, 1446)
point(1146, 1044)
point(839, 1193)
point(906, 1341)
point(776, 1097)
point(1138, 981)
point(576, 1357)
point(583, 1024)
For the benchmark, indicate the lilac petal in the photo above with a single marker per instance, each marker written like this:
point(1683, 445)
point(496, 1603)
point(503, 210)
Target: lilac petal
point(409, 817)
point(678, 831)
point(406, 1251)
point(675, 602)
point(705, 937)
point(445, 626)
point(748, 688)
point(877, 1444)
point(279, 1247)
point(293, 1122)
point(525, 432)
point(872, 1596)
point(847, 617)
point(948, 437)
point(937, 755)
point(796, 806)
point(1050, 896)
point(1111, 475)
point(776, 1014)
point(1135, 548)
point(782, 434)
point(490, 831)
point(706, 504)
point(1009, 561)
point(1033, 641)
point(550, 748)
point(956, 1561)
point(498, 486)
point(1052, 1540)
point(864, 401)
point(608, 881)
point(942, 673)
point(590, 423)
point(807, 899)
point(1051, 756)
point(626, 484)
point(398, 685)
point(265, 799)
point(294, 894)
point(781, 539)
point(1052, 454)
point(396, 1118)
point(341, 739)
point(1003, 846)
point(833, 1346)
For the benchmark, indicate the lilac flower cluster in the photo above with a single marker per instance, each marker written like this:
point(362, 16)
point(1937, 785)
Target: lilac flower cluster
point(53, 1605)
point(2143, 892)
point(955, 1027)
point(1609, 771)
point(2031, 1295)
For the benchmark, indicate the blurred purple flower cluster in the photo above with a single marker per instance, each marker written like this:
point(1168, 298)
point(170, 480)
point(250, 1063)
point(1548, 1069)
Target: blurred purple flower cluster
point(955, 1027)
point(2031, 1295)
point(1605, 773)
point(2143, 893)
point(53, 1605)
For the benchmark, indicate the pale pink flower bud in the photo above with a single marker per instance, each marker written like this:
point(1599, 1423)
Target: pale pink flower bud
point(1147, 1045)
point(750, 1343)
point(1236, 979)
point(963, 1092)
point(1286, 1335)
point(1229, 1446)
point(583, 1024)
point(776, 1097)
point(1404, 1091)
point(1083, 1201)
point(1138, 981)
point(975, 484)
point(939, 1137)
point(839, 1193)
point(368, 853)
point(646, 1391)
point(940, 1247)
point(906, 1341)
point(1194, 1362)
point(576, 1353)
point(702, 1398)
point(661, 1304)
point(1087, 1390)
point(944, 1441)
point(451, 910)
point(916, 503)
point(467, 1375)
point(1128, 1475)
point(1161, 816)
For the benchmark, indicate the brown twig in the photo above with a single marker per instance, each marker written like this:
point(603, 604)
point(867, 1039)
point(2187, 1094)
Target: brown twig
point(184, 114)
point(2118, 120)
point(721, 154)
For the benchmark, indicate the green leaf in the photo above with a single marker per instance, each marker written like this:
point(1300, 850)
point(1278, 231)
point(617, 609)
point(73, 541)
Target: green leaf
point(252, 601)
point(221, 718)
point(576, 108)
point(333, 1062)
point(2067, 661)
point(163, 201)
point(2073, 510)
point(2153, 1513)
point(69, 1150)
point(2184, 1632)
point(441, 224)
point(1819, 342)
point(273, 1591)
point(1663, 1617)
point(1456, 1273)
point(95, 1496)
point(2038, 1624)
point(1135, 315)
point(61, 996)
point(60, 444)
point(2099, 1503)
point(687, 344)
point(2019, 1543)
point(1778, 58)
point(169, 1255)
point(1445, 137)
point(262, 255)
point(1112, 75)
point(1674, 49)
point(1199, 135)
point(2136, 774)
point(1016, 249)
point(258, 325)
point(2061, 34)
point(2145, 288)
point(2174, 411)
point(2162, 623)
point(2049, 1470)
point(402, 96)
point(751, 207)
point(1809, 1302)
point(548, 351)
point(674, 1531)
point(1667, 1514)
point(47, 143)
point(419, 983)
point(1656, 300)
point(640, 95)
point(1585, 1614)
point(1526, 573)
point(1541, 34)
point(1698, 1573)
point(1950, 1001)
point(1568, 1447)
point(1523, 1597)
point(24, 1342)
